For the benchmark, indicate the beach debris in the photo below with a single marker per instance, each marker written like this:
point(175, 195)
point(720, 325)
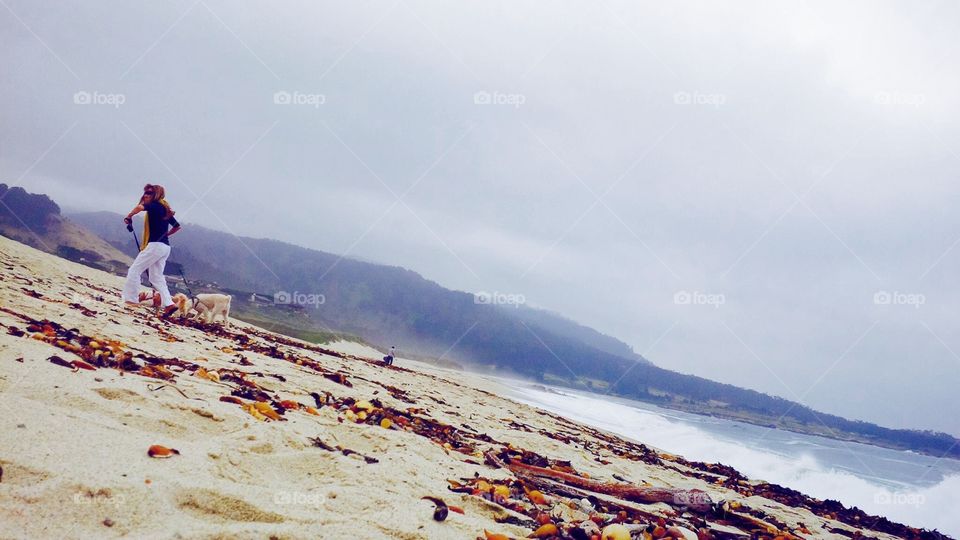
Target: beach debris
point(365, 406)
point(320, 443)
point(398, 393)
point(339, 378)
point(108, 522)
point(319, 402)
point(92, 352)
point(568, 512)
point(60, 362)
point(535, 496)
point(179, 391)
point(694, 499)
point(581, 508)
point(210, 375)
point(546, 530)
point(681, 533)
point(264, 409)
point(441, 510)
point(290, 405)
point(617, 531)
point(82, 365)
point(494, 536)
point(87, 312)
point(31, 293)
point(158, 451)
point(156, 372)
point(368, 459)
point(373, 412)
point(252, 411)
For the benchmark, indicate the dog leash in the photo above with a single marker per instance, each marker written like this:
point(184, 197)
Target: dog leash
point(180, 269)
point(135, 239)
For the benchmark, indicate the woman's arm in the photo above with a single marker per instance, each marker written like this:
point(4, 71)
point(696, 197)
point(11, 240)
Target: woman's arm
point(136, 210)
point(173, 231)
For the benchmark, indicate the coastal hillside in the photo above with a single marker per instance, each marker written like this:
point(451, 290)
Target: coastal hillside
point(36, 220)
point(122, 424)
point(389, 305)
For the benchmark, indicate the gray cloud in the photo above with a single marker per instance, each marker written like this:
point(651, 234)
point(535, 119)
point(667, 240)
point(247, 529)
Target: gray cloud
point(795, 159)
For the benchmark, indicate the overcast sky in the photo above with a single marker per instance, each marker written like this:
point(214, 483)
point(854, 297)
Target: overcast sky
point(759, 193)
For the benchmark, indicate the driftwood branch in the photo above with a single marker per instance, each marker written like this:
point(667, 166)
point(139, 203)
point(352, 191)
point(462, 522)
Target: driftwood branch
point(694, 499)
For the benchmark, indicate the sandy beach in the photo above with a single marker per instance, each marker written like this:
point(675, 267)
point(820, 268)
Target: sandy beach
point(277, 438)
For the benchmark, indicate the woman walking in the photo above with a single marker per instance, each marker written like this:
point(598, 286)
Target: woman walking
point(154, 249)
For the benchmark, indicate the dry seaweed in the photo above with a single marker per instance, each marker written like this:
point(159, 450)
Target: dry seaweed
point(338, 378)
point(60, 362)
point(158, 451)
point(31, 293)
point(441, 510)
point(320, 443)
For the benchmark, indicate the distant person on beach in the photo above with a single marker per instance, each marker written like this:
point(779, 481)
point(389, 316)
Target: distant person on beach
point(388, 359)
point(154, 249)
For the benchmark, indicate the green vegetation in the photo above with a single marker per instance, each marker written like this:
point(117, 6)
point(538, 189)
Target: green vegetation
point(319, 337)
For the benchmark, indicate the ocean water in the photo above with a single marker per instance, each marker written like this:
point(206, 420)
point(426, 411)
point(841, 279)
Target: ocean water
point(910, 488)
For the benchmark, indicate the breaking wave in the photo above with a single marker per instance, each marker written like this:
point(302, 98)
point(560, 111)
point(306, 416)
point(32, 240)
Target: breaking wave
point(850, 473)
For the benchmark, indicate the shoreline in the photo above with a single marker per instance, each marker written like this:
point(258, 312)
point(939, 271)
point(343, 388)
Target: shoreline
point(736, 420)
point(761, 423)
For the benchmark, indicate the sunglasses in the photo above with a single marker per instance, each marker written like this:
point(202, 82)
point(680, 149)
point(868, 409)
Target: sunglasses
point(148, 193)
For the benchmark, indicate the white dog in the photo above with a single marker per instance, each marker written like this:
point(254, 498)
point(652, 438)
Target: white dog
point(183, 304)
point(207, 306)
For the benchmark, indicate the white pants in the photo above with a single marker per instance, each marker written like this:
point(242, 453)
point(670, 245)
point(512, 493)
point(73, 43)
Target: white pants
point(152, 259)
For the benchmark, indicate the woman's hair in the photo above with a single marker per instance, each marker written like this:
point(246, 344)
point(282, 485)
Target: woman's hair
point(159, 195)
